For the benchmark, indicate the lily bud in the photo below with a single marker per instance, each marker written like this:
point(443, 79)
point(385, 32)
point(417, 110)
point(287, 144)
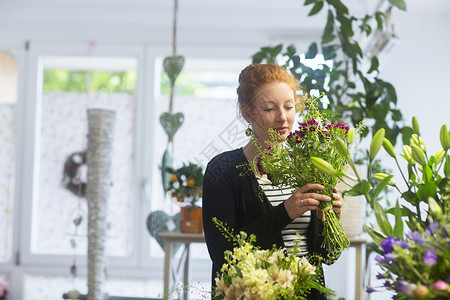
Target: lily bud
point(415, 140)
point(445, 137)
point(381, 176)
point(415, 125)
point(376, 143)
point(418, 155)
point(439, 156)
point(434, 207)
point(408, 154)
point(342, 147)
point(350, 135)
point(388, 147)
point(323, 165)
point(422, 144)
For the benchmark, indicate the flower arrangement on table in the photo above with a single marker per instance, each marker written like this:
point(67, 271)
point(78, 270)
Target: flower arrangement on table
point(311, 155)
point(252, 273)
point(416, 264)
point(185, 184)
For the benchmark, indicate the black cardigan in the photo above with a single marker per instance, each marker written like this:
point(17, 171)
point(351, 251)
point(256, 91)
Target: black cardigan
point(231, 193)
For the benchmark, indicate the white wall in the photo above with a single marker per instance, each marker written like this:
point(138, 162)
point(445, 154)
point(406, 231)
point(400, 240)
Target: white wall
point(419, 68)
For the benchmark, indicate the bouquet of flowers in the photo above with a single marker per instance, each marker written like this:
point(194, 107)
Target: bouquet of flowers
point(185, 184)
point(314, 153)
point(251, 273)
point(417, 266)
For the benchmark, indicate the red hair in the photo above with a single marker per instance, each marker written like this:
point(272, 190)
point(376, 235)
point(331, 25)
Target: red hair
point(255, 76)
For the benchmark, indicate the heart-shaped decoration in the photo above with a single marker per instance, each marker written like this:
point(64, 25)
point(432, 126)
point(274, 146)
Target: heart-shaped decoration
point(172, 66)
point(159, 221)
point(171, 123)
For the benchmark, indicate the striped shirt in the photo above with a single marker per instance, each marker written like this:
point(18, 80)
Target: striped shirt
point(276, 196)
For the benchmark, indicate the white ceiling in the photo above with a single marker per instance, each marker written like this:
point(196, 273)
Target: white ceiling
point(206, 22)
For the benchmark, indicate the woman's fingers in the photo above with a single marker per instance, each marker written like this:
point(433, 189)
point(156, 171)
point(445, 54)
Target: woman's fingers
point(310, 186)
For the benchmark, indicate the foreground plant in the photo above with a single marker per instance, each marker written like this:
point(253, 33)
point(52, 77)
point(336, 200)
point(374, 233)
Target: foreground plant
point(416, 265)
point(252, 273)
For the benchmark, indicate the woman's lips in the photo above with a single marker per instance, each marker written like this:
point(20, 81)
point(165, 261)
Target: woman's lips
point(282, 129)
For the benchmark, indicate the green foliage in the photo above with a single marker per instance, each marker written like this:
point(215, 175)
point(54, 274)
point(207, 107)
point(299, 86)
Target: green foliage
point(427, 180)
point(84, 81)
point(354, 93)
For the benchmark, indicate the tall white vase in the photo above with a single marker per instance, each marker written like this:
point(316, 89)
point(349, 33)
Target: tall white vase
point(100, 137)
point(354, 209)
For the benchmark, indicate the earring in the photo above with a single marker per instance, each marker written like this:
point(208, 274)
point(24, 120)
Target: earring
point(249, 131)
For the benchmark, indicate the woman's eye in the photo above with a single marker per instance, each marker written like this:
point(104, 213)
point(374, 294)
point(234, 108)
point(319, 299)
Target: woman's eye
point(268, 109)
point(289, 107)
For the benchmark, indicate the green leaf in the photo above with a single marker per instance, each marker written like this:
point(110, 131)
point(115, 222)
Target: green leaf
point(398, 227)
point(381, 186)
point(401, 4)
point(379, 17)
point(375, 233)
point(308, 2)
point(328, 34)
point(407, 132)
point(411, 197)
point(374, 65)
point(329, 52)
point(290, 51)
point(429, 189)
point(316, 8)
point(382, 219)
point(427, 174)
point(312, 51)
point(340, 7)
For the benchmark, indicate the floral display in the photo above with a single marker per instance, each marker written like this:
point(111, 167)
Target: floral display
point(415, 263)
point(252, 273)
point(185, 184)
point(417, 266)
point(312, 154)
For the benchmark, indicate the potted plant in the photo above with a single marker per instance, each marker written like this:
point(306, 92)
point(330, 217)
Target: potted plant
point(185, 187)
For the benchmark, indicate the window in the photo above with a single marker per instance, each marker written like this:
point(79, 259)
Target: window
point(8, 100)
point(71, 86)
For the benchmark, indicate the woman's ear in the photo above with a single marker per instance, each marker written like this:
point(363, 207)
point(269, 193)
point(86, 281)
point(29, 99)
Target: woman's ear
point(246, 114)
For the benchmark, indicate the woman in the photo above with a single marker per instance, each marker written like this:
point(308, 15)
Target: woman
point(267, 96)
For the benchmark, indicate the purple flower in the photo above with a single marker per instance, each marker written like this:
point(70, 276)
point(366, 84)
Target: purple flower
point(433, 228)
point(380, 276)
point(416, 237)
point(386, 259)
point(405, 287)
point(388, 244)
point(312, 128)
point(429, 258)
point(370, 289)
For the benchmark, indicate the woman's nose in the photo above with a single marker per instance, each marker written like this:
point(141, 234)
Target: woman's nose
point(282, 115)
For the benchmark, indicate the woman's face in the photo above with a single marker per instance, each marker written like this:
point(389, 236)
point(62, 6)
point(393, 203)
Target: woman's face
point(273, 107)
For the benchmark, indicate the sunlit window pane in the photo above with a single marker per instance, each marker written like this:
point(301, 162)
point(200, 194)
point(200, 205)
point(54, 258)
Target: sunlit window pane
point(63, 131)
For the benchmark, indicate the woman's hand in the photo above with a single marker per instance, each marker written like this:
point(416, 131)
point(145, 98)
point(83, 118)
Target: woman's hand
point(337, 205)
point(301, 200)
